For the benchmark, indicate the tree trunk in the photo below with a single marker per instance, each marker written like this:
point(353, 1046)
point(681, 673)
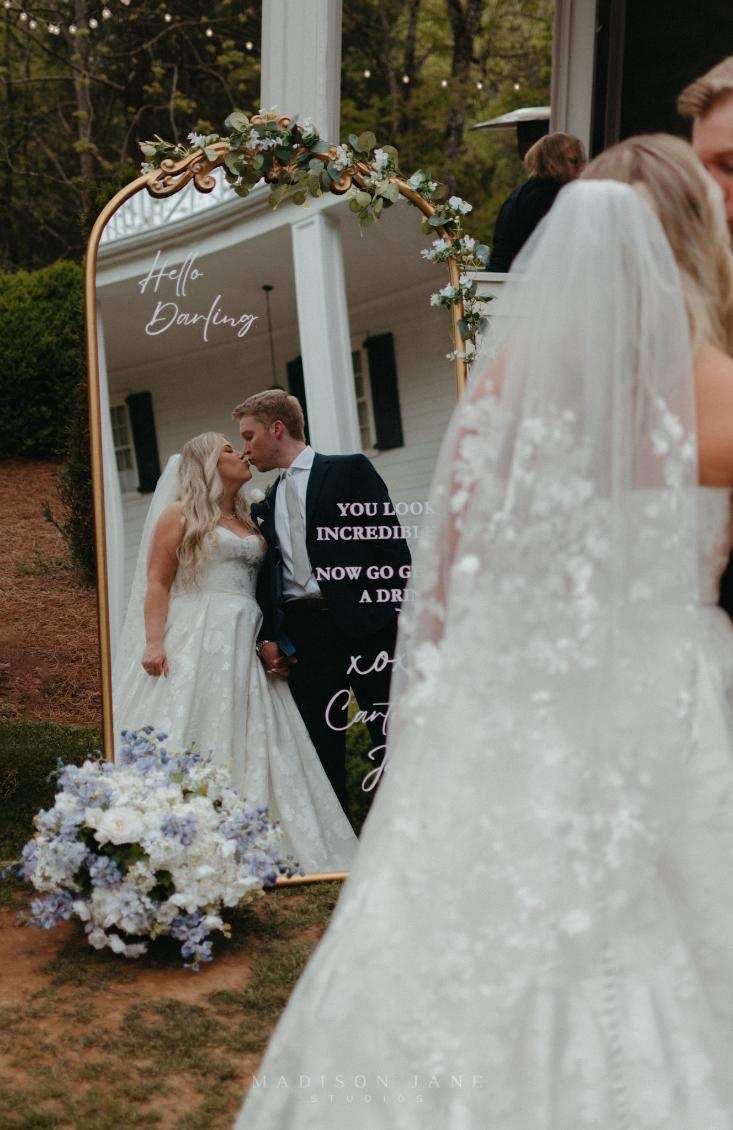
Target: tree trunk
point(84, 114)
point(465, 20)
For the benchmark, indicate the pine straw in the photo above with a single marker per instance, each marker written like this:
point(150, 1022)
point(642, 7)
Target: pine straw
point(48, 620)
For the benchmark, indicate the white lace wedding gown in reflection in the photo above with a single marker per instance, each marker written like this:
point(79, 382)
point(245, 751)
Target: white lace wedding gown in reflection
point(218, 696)
point(537, 930)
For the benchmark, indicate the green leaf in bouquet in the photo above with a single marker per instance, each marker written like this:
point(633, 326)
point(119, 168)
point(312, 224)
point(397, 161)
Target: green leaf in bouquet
point(210, 153)
point(353, 141)
point(362, 198)
point(148, 149)
point(464, 329)
point(242, 189)
point(299, 197)
point(315, 165)
point(379, 204)
point(354, 205)
point(482, 252)
point(367, 141)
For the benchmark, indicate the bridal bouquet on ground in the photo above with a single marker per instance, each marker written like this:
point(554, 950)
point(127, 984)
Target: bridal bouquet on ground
point(157, 843)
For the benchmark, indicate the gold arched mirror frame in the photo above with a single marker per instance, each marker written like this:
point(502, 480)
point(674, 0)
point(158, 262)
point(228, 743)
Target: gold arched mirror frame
point(170, 178)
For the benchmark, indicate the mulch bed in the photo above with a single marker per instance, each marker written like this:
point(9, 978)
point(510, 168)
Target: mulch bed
point(48, 620)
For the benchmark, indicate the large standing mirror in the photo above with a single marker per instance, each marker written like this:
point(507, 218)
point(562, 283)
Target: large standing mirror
point(196, 301)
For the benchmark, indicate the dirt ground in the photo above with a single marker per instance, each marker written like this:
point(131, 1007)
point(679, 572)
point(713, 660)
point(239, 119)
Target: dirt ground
point(48, 621)
point(92, 1041)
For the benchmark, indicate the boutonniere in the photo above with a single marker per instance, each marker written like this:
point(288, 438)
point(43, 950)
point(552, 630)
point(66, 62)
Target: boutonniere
point(256, 495)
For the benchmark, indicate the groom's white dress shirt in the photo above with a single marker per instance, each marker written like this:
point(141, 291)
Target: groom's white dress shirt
point(301, 468)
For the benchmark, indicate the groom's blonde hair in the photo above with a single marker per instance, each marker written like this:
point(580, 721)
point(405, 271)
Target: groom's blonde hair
point(271, 405)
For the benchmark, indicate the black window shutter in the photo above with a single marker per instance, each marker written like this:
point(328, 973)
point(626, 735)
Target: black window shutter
point(296, 385)
point(385, 394)
point(142, 422)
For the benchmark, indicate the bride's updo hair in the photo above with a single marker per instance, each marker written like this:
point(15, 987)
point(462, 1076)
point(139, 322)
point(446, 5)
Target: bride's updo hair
point(688, 203)
point(201, 489)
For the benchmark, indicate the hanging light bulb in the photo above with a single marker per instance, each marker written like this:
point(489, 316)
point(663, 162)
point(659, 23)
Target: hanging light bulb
point(516, 86)
point(7, 4)
point(167, 17)
point(444, 82)
point(93, 23)
point(367, 73)
point(209, 32)
point(72, 29)
point(32, 25)
point(479, 86)
point(23, 17)
point(106, 14)
point(405, 79)
point(249, 45)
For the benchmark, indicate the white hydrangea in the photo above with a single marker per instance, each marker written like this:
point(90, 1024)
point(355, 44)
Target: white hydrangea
point(344, 157)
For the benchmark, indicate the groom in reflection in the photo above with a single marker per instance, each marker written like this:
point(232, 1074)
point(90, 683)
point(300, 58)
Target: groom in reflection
point(331, 584)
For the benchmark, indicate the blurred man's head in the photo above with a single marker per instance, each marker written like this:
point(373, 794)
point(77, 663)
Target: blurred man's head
point(709, 102)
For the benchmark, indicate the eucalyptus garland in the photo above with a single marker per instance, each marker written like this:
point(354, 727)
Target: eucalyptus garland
point(293, 159)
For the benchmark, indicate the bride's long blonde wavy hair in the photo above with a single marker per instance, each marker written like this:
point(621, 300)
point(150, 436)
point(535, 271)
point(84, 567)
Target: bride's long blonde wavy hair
point(684, 197)
point(201, 489)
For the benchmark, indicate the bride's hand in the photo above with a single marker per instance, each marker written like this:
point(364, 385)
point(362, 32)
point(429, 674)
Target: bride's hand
point(155, 661)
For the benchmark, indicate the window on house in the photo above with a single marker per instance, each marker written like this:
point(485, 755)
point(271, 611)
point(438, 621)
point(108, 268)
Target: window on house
point(124, 451)
point(362, 391)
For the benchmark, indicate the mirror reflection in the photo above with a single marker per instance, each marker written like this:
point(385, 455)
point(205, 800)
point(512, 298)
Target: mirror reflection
point(275, 389)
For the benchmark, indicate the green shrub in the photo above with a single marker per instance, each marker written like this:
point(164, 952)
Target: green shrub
point(76, 522)
point(41, 358)
point(28, 753)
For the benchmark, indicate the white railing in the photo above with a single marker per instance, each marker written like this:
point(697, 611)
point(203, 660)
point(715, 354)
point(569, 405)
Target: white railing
point(143, 212)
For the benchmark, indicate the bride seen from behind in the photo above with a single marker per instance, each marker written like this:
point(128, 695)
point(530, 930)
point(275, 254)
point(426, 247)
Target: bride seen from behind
point(187, 662)
point(547, 870)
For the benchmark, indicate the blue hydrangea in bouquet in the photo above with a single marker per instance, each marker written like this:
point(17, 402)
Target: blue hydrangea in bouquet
point(157, 843)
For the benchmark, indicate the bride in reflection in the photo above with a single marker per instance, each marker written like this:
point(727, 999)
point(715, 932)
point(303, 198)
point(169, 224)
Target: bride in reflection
point(187, 662)
point(547, 868)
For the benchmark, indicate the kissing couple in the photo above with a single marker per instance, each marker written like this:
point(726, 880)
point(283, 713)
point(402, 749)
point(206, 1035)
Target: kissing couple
point(233, 646)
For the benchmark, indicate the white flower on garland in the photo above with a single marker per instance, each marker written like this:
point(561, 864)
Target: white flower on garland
point(198, 140)
point(440, 246)
point(445, 296)
point(381, 161)
point(459, 205)
point(344, 157)
point(468, 244)
point(156, 843)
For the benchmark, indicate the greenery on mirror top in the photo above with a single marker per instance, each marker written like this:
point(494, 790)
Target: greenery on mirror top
point(297, 163)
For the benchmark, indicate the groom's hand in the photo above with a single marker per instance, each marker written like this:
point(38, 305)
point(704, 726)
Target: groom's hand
point(273, 660)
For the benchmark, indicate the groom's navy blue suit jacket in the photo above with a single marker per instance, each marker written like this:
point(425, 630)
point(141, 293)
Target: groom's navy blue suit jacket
point(336, 479)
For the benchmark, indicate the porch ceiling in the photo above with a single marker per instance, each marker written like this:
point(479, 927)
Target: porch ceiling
point(385, 261)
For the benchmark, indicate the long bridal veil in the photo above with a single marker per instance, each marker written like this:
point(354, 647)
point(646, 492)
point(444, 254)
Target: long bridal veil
point(132, 639)
point(542, 722)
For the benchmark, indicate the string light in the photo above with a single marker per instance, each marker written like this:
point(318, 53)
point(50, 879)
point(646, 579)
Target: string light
point(367, 73)
point(516, 86)
point(72, 29)
point(479, 86)
point(106, 14)
point(209, 32)
point(405, 78)
point(249, 45)
point(444, 82)
point(32, 25)
point(93, 23)
point(23, 16)
point(167, 17)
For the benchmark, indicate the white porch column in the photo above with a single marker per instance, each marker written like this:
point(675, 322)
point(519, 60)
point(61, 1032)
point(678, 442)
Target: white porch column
point(301, 74)
point(301, 61)
point(323, 321)
point(573, 62)
point(113, 524)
